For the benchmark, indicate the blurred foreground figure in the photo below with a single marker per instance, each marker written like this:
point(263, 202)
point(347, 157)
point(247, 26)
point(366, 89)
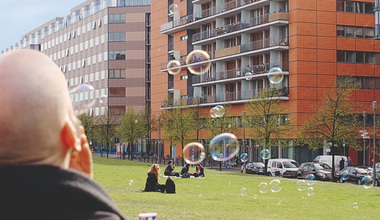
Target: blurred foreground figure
point(45, 160)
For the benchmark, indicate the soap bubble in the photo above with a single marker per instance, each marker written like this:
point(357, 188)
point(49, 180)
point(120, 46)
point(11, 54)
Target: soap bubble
point(248, 76)
point(130, 182)
point(275, 185)
point(243, 191)
point(173, 8)
point(275, 75)
point(263, 187)
point(367, 182)
point(355, 205)
point(244, 157)
point(217, 111)
point(265, 154)
point(310, 191)
point(255, 196)
point(194, 153)
point(301, 185)
point(174, 67)
point(224, 147)
point(198, 62)
point(310, 179)
point(345, 175)
point(80, 97)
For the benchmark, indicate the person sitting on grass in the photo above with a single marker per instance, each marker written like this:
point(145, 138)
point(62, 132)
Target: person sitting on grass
point(45, 160)
point(199, 171)
point(169, 169)
point(152, 184)
point(185, 171)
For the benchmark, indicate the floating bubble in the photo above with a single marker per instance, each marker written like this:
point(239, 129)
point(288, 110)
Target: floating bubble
point(265, 154)
point(367, 182)
point(355, 205)
point(248, 76)
point(275, 186)
point(244, 157)
point(310, 179)
point(217, 111)
point(130, 182)
point(224, 147)
point(310, 191)
point(194, 153)
point(263, 187)
point(243, 191)
point(275, 75)
point(301, 185)
point(174, 67)
point(80, 98)
point(345, 175)
point(279, 202)
point(255, 196)
point(198, 62)
point(173, 8)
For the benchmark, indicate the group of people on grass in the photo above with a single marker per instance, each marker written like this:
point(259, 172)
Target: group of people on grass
point(154, 175)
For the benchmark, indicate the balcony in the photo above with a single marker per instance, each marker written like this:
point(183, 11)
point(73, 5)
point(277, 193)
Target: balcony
point(252, 22)
point(183, 22)
point(228, 97)
point(279, 16)
point(227, 51)
point(258, 71)
point(265, 43)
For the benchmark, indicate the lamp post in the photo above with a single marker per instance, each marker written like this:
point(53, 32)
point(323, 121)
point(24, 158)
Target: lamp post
point(364, 135)
point(374, 106)
point(159, 140)
point(243, 120)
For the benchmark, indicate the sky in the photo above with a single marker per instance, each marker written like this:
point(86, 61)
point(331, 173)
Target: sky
point(19, 17)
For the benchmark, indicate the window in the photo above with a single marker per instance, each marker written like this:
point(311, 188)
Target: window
point(349, 31)
point(117, 73)
point(369, 33)
point(116, 18)
point(185, 37)
point(116, 36)
point(356, 57)
point(117, 110)
point(359, 57)
point(185, 77)
point(359, 32)
point(116, 55)
point(350, 6)
point(340, 31)
point(117, 92)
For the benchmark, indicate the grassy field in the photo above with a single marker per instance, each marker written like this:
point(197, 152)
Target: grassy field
point(220, 196)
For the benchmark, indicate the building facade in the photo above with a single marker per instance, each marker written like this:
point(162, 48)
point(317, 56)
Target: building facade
point(312, 41)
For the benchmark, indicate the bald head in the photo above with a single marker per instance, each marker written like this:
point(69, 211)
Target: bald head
point(34, 104)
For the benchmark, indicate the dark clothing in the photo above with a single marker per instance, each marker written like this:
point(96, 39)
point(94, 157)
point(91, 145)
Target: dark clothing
point(184, 170)
point(199, 172)
point(349, 162)
point(48, 192)
point(152, 184)
point(169, 170)
point(341, 164)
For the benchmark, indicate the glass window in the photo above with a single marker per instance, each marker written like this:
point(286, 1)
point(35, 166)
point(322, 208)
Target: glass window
point(116, 36)
point(369, 32)
point(369, 58)
point(350, 6)
point(340, 31)
point(349, 31)
point(359, 57)
point(350, 56)
point(377, 83)
point(368, 8)
point(359, 32)
point(116, 18)
point(359, 7)
point(340, 56)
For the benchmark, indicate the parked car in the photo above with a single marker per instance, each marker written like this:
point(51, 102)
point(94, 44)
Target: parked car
point(328, 159)
point(352, 174)
point(254, 167)
point(282, 167)
point(321, 171)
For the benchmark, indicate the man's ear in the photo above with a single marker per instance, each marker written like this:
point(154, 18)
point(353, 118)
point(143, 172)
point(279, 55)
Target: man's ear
point(69, 137)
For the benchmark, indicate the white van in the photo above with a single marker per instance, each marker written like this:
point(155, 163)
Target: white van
point(328, 159)
point(282, 167)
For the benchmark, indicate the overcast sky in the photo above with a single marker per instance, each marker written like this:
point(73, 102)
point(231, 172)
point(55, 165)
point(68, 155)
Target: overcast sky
point(18, 17)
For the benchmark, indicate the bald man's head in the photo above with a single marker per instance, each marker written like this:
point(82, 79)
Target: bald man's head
point(34, 104)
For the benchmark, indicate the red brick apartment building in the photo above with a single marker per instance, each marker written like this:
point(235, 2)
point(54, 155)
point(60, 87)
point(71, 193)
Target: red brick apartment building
point(313, 41)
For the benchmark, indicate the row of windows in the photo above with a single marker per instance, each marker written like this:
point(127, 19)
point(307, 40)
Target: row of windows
point(76, 48)
point(117, 74)
point(88, 78)
point(116, 36)
point(355, 32)
point(355, 7)
point(116, 55)
point(117, 92)
point(82, 63)
point(364, 82)
point(356, 57)
point(116, 18)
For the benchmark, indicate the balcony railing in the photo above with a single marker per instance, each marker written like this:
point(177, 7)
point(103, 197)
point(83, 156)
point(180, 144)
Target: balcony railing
point(265, 43)
point(224, 97)
point(227, 51)
point(235, 73)
point(278, 16)
point(231, 28)
point(206, 13)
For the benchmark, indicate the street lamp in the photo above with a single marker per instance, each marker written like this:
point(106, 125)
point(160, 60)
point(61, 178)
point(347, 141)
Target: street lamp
point(364, 136)
point(159, 140)
point(374, 106)
point(243, 114)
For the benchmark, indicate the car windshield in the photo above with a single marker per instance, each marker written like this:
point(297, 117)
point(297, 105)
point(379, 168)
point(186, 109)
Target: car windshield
point(288, 164)
point(322, 166)
point(258, 165)
point(361, 170)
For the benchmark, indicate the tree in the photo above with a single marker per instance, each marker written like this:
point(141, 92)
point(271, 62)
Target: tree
point(224, 124)
point(105, 129)
point(131, 128)
point(198, 120)
point(334, 121)
point(264, 118)
point(88, 124)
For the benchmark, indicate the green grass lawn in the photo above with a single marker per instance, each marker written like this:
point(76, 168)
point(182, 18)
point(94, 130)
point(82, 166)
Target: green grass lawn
point(218, 196)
